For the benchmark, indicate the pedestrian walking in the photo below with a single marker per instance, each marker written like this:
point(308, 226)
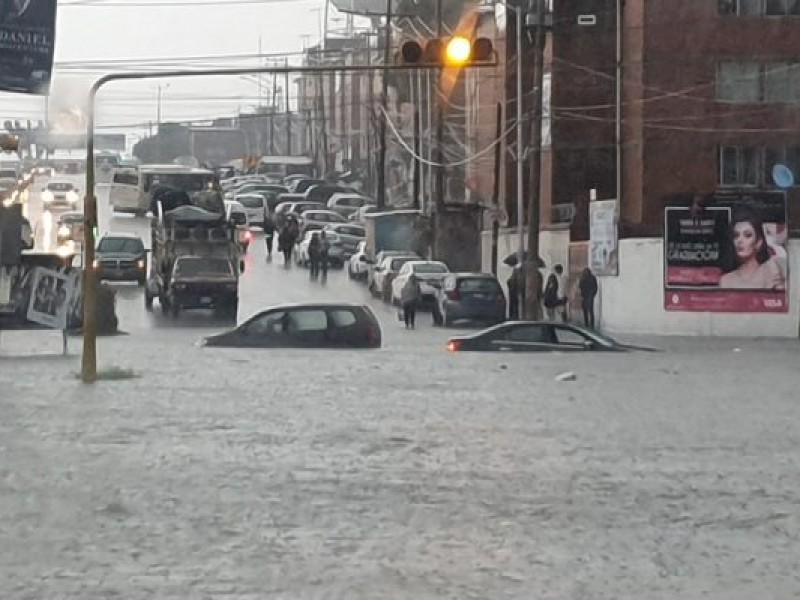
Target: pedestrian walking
point(513, 296)
point(563, 299)
point(555, 295)
point(286, 240)
point(409, 298)
point(314, 255)
point(324, 253)
point(269, 234)
point(588, 288)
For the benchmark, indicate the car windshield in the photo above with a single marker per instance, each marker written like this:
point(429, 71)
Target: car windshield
point(251, 201)
point(478, 284)
point(429, 268)
point(350, 230)
point(238, 218)
point(397, 263)
point(190, 267)
point(121, 245)
point(59, 186)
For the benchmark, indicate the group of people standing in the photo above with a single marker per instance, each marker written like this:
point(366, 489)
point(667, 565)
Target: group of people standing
point(555, 295)
point(288, 234)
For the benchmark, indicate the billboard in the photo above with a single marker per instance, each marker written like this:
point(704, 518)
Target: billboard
point(33, 296)
point(727, 253)
point(27, 39)
point(603, 250)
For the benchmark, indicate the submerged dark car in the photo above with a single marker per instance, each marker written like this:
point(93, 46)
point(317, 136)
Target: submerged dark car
point(535, 336)
point(305, 326)
point(121, 257)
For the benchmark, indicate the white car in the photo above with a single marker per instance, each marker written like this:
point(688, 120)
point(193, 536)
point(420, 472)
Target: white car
point(386, 272)
point(238, 216)
point(358, 265)
point(429, 273)
point(60, 192)
point(347, 204)
point(255, 206)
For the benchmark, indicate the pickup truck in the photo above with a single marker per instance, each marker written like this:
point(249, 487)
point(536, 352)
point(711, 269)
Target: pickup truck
point(203, 282)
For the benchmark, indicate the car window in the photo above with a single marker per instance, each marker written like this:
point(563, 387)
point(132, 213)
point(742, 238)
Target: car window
point(251, 201)
point(342, 318)
point(430, 268)
point(397, 263)
point(126, 178)
point(307, 320)
point(569, 336)
point(480, 285)
point(270, 324)
point(529, 333)
point(124, 245)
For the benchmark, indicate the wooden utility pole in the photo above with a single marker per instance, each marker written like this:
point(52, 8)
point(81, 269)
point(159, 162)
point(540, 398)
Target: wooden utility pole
point(533, 278)
point(288, 113)
point(439, 143)
point(387, 55)
point(496, 188)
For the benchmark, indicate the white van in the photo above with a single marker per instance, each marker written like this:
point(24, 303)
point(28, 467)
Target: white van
point(131, 186)
point(237, 215)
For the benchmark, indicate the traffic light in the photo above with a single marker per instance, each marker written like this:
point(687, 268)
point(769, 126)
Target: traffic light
point(456, 51)
point(9, 142)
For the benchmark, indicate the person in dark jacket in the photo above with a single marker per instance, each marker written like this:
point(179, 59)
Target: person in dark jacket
point(588, 288)
point(286, 241)
point(314, 255)
point(269, 234)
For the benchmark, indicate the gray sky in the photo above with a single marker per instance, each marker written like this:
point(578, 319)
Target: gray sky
point(112, 33)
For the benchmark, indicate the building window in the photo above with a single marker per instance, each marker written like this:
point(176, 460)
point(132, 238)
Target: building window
point(783, 155)
point(739, 82)
point(759, 8)
point(738, 165)
point(782, 82)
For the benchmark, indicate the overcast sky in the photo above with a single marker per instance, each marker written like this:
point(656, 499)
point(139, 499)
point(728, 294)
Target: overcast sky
point(106, 30)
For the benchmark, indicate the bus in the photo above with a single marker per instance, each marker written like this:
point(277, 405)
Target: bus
point(278, 167)
point(131, 187)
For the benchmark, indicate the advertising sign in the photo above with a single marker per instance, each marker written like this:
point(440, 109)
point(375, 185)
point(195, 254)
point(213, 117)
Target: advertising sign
point(603, 251)
point(727, 255)
point(33, 297)
point(27, 38)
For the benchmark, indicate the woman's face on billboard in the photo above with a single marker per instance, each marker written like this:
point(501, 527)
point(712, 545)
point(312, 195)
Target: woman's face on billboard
point(746, 241)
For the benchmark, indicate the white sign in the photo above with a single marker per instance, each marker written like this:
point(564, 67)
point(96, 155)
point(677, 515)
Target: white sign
point(603, 253)
point(51, 295)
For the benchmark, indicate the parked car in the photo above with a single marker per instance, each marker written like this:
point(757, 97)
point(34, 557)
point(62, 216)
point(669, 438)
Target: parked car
point(63, 193)
point(350, 235)
point(469, 296)
point(380, 257)
point(533, 336)
point(385, 273)
point(254, 206)
point(323, 193)
point(360, 215)
point(429, 273)
point(305, 326)
point(121, 257)
point(348, 203)
point(318, 219)
point(335, 253)
point(302, 185)
point(358, 265)
point(297, 207)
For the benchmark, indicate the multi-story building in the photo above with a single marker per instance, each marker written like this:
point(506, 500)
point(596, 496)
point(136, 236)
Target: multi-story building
point(708, 104)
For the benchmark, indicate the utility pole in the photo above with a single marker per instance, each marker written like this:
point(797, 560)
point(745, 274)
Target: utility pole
point(533, 278)
point(438, 151)
point(387, 55)
point(288, 113)
point(272, 116)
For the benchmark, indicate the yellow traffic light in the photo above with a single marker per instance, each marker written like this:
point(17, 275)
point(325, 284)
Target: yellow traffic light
point(458, 51)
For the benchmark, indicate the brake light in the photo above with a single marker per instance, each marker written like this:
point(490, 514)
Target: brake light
point(454, 295)
point(248, 236)
point(501, 299)
point(454, 345)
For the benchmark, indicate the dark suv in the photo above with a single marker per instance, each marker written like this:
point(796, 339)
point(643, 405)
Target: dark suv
point(305, 326)
point(121, 257)
point(469, 296)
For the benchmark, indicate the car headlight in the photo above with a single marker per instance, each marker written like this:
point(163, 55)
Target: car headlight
point(95, 263)
point(63, 231)
point(72, 197)
point(141, 263)
point(47, 196)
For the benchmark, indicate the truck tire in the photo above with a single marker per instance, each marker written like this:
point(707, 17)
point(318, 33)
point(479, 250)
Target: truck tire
point(164, 305)
point(175, 310)
point(148, 301)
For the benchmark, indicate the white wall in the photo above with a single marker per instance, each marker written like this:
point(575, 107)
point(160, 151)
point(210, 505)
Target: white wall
point(634, 301)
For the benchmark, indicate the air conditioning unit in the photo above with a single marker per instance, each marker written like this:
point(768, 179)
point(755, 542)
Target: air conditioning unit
point(587, 20)
point(562, 213)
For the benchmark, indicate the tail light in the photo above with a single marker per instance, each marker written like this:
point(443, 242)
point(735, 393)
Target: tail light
point(372, 335)
point(454, 295)
point(248, 236)
point(501, 299)
point(454, 345)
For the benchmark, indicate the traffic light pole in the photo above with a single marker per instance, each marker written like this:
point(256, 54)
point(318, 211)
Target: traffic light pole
point(438, 146)
point(387, 55)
